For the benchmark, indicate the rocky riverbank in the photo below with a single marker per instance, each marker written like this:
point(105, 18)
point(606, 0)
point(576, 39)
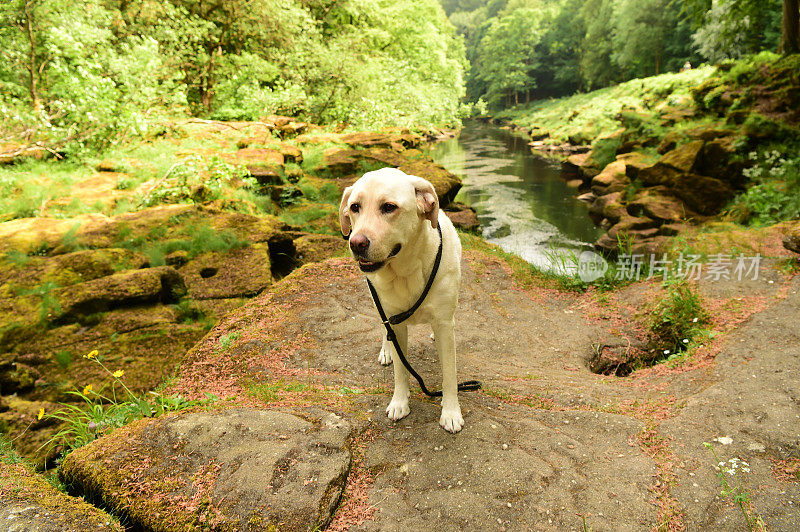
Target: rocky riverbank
point(680, 153)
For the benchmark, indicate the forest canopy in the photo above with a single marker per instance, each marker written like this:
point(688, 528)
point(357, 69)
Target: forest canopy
point(528, 49)
point(83, 70)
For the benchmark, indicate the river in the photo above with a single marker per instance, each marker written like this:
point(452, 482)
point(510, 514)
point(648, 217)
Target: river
point(522, 201)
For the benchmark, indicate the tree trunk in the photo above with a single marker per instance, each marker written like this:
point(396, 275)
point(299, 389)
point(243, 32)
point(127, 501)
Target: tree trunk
point(33, 71)
point(791, 27)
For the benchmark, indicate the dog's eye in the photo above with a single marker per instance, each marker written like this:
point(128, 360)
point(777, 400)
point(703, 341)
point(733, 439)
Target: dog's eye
point(388, 208)
point(355, 207)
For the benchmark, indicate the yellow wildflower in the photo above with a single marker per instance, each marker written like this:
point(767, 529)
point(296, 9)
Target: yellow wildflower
point(92, 354)
point(119, 373)
point(41, 413)
point(88, 388)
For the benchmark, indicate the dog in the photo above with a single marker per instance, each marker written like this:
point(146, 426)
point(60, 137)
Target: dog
point(390, 219)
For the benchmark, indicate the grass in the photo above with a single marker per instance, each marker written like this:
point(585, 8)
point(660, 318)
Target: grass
point(678, 321)
point(590, 115)
point(100, 412)
point(199, 239)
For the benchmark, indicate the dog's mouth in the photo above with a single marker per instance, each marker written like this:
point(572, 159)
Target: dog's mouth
point(369, 266)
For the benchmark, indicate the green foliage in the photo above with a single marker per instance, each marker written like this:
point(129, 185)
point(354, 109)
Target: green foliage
point(775, 193)
point(195, 179)
point(649, 37)
point(17, 258)
point(272, 391)
point(736, 468)
point(49, 304)
point(78, 75)
point(677, 319)
point(731, 29)
point(605, 111)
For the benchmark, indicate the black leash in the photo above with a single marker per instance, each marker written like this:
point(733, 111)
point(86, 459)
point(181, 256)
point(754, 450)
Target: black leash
point(403, 316)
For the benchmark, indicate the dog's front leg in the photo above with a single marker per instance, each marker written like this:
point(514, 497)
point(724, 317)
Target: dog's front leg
point(398, 408)
point(445, 339)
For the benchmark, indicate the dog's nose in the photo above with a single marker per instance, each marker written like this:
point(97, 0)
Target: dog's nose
point(359, 243)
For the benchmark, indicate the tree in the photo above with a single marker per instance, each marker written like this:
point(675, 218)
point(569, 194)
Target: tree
point(596, 64)
point(791, 27)
point(506, 57)
point(734, 28)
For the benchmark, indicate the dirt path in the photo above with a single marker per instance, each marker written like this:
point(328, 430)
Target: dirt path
point(547, 443)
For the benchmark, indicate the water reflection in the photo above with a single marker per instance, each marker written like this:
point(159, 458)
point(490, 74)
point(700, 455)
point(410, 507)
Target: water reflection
point(523, 203)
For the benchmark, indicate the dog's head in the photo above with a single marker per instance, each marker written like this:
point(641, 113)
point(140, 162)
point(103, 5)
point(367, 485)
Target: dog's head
point(383, 211)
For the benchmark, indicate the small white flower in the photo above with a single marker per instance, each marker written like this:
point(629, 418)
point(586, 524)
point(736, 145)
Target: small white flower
point(685, 340)
point(694, 320)
point(666, 351)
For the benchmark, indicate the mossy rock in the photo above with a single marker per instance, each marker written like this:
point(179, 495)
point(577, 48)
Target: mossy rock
point(684, 158)
point(611, 179)
point(138, 287)
point(240, 272)
point(242, 469)
point(444, 182)
point(316, 248)
point(658, 203)
point(29, 502)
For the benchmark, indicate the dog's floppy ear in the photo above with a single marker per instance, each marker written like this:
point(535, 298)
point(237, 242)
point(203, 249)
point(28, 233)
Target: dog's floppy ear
point(427, 200)
point(344, 217)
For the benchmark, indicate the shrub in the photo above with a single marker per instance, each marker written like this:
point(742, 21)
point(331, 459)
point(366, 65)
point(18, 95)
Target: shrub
point(678, 318)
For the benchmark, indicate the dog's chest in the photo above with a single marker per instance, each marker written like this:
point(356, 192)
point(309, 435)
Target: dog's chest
point(400, 293)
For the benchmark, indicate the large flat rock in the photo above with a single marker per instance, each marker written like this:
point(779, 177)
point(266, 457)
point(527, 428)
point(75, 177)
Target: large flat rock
point(512, 468)
point(240, 469)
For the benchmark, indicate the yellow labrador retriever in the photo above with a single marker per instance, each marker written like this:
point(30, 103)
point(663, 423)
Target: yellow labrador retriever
point(391, 219)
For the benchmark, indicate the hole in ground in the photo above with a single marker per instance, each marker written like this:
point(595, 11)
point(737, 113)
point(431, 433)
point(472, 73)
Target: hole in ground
point(282, 255)
point(622, 360)
point(205, 273)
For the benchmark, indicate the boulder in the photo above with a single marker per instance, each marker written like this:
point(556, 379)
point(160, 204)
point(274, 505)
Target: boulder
point(718, 159)
point(581, 165)
point(685, 158)
point(611, 179)
point(657, 203)
point(463, 217)
point(394, 140)
point(338, 162)
point(608, 206)
point(257, 157)
point(239, 272)
point(265, 175)
point(445, 182)
point(316, 248)
point(238, 469)
point(791, 240)
point(291, 154)
point(702, 194)
point(130, 288)
point(670, 142)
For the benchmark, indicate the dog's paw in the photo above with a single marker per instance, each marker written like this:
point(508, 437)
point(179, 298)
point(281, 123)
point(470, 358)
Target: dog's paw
point(384, 357)
point(397, 410)
point(451, 420)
